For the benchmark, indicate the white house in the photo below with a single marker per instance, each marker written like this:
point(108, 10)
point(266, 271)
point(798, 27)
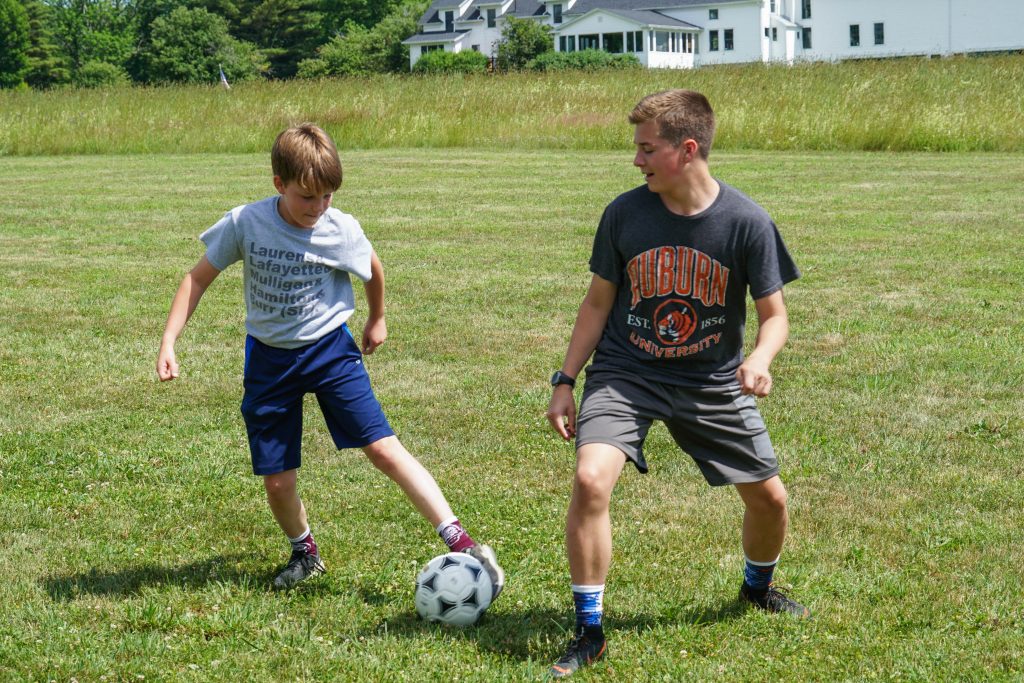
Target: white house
point(689, 33)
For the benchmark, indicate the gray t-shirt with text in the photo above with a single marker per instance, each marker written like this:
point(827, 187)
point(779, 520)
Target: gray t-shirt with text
point(296, 281)
point(680, 309)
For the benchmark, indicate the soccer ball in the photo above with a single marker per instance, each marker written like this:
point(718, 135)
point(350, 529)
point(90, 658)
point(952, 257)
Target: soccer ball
point(453, 589)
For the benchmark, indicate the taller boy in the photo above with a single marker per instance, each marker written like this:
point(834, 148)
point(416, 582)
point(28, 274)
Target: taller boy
point(297, 253)
point(664, 317)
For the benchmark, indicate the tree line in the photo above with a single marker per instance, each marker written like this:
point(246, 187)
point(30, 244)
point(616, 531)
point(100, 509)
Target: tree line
point(50, 43)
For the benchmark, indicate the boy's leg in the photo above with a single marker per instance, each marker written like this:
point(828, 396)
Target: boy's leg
point(290, 513)
point(588, 540)
point(765, 520)
point(390, 457)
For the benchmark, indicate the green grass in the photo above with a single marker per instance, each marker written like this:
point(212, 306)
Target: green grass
point(137, 545)
point(954, 104)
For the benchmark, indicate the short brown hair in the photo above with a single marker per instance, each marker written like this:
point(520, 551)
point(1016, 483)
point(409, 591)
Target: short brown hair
point(681, 115)
point(306, 155)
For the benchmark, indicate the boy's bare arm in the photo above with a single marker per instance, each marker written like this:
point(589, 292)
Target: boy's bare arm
point(376, 330)
point(190, 291)
point(586, 333)
point(772, 333)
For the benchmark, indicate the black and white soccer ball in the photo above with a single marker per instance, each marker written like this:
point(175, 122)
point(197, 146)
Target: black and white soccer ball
point(453, 589)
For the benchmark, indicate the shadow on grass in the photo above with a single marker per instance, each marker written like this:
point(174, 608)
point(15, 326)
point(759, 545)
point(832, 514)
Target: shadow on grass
point(131, 580)
point(515, 633)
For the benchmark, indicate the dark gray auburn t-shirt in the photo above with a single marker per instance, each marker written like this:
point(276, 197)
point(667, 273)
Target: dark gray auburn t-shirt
point(297, 286)
point(680, 310)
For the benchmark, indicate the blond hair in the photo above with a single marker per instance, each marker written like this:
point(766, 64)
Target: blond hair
point(680, 115)
point(306, 155)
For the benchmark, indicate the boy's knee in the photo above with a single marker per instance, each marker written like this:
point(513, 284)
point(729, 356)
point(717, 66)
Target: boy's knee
point(769, 499)
point(385, 454)
point(593, 483)
point(279, 485)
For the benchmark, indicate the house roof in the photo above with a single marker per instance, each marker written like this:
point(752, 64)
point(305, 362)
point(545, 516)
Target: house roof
point(438, 37)
point(644, 17)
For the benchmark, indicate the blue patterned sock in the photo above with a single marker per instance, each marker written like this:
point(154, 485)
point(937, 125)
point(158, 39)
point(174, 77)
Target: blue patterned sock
point(758, 575)
point(589, 602)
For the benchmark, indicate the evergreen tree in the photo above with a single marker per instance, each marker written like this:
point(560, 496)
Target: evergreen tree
point(14, 43)
point(287, 31)
point(47, 66)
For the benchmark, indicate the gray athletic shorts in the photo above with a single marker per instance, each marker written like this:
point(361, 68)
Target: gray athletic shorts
point(720, 428)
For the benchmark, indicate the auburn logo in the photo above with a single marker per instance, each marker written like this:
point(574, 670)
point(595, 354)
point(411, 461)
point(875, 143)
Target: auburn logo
point(676, 322)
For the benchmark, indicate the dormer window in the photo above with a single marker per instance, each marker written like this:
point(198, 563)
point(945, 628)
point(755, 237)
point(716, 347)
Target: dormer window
point(556, 13)
point(492, 18)
point(449, 22)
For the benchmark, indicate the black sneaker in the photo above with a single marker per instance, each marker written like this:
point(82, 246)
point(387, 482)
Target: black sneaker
point(774, 600)
point(301, 566)
point(584, 648)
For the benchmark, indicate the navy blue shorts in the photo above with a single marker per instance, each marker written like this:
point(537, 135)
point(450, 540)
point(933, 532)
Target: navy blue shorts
point(276, 381)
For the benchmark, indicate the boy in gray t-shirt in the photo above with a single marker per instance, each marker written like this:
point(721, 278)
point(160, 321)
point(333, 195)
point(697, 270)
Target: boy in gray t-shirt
point(297, 254)
point(664, 319)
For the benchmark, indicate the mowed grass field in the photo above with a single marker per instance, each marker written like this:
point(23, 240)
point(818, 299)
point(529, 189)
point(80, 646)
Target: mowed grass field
point(136, 544)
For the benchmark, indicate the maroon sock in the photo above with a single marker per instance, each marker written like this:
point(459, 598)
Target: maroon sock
point(455, 537)
point(306, 544)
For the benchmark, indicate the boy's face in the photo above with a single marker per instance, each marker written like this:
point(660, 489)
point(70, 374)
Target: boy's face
point(300, 207)
point(660, 162)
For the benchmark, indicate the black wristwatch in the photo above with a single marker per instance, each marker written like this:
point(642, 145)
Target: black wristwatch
point(561, 378)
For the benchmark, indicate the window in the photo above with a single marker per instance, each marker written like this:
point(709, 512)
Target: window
point(807, 38)
point(775, 33)
point(805, 9)
point(449, 22)
point(767, 32)
point(491, 18)
point(772, 7)
point(879, 34)
point(854, 35)
point(613, 42)
point(713, 41)
point(424, 49)
point(661, 41)
point(567, 43)
point(727, 38)
point(475, 48)
point(638, 41)
point(590, 41)
point(712, 14)
point(556, 13)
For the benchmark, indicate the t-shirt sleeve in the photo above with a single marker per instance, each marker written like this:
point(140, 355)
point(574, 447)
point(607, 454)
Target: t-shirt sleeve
point(605, 259)
point(769, 265)
point(223, 246)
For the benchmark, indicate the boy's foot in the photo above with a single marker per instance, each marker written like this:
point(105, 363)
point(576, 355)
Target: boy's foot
point(301, 566)
point(774, 600)
point(584, 648)
point(489, 560)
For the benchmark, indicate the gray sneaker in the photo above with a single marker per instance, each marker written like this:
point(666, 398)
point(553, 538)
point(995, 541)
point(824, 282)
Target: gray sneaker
point(301, 566)
point(485, 554)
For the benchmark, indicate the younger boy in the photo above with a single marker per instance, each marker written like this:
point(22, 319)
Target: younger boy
point(297, 254)
point(664, 318)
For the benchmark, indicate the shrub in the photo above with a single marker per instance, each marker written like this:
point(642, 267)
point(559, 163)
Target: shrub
point(97, 74)
point(439, 61)
point(585, 60)
point(522, 40)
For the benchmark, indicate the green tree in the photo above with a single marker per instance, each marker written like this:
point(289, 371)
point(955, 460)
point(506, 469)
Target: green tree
point(362, 50)
point(190, 45)
point(365, 13)
point(14, 43)
point(287, 31)
point(94, 31)
point(47, 65)
point(522, 40)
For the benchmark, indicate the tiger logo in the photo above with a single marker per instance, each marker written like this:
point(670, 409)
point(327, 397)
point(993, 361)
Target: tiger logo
point(676, 322)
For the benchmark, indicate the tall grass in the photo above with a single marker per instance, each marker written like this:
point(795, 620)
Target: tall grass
point(954, 104)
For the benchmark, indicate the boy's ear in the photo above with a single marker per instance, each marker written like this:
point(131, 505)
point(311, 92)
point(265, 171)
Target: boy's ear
point(279, 184)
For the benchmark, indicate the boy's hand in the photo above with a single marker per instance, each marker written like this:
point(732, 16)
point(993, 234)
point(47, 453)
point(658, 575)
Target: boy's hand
point(374, 333)
point(754, 378)
point(562, 411)
point(166, 364)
